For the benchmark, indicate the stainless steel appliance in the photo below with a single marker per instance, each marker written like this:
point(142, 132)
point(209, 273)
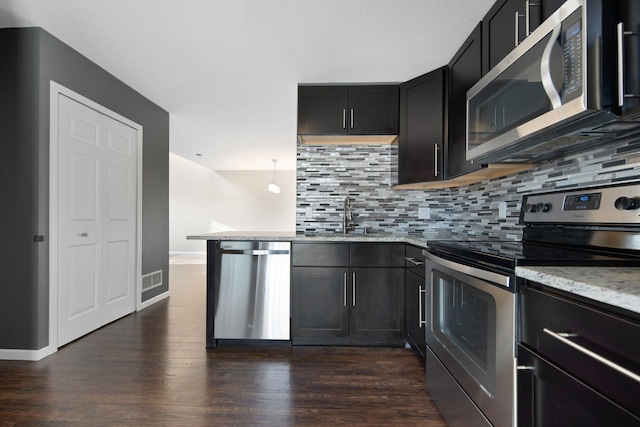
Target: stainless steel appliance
point(554, 92)
point(471, 289)
point(252, 290)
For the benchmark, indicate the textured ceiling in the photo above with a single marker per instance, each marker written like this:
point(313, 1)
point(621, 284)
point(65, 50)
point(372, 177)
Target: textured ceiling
point(227, 70)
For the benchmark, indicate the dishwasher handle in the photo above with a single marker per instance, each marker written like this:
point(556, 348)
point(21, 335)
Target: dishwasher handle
point(256, 252)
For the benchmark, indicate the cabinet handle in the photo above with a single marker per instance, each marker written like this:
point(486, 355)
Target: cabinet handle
point(352, 118)
point(344, 118)
point(344, 287)
point(421, 292)
point(414, 261)
point(435, 159)
point(527, 15)
point(621, 33)
point(563, 338)
point(353, 277)
point(517, 28)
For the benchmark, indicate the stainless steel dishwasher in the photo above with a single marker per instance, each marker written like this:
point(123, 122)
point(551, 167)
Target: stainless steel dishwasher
point(252, 290)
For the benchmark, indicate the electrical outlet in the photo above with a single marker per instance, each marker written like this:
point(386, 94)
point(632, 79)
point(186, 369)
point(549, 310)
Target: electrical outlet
point(502, 210)
point(308, 212)
point(424, 213)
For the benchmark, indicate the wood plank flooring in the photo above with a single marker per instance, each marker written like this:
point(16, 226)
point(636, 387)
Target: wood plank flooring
point(151, 368)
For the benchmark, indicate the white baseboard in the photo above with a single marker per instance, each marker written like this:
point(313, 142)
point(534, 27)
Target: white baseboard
point(153, 300)
point(28, 355)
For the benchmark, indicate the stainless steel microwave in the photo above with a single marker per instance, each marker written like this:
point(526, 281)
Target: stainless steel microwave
point(554, 92)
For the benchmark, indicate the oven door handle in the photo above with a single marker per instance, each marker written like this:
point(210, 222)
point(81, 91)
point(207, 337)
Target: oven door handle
point(497, 278)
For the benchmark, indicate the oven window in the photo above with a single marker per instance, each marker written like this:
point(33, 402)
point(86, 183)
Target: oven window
point(465, 324)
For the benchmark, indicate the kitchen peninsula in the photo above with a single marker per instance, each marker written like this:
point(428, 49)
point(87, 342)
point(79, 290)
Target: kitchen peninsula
point(346, 289)
point(609, 286)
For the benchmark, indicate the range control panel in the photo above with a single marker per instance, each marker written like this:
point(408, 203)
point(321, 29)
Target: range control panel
point(612, 205)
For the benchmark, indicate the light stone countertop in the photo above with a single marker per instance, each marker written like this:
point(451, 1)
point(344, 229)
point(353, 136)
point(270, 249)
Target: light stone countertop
point(616, 286)
point(284, 236)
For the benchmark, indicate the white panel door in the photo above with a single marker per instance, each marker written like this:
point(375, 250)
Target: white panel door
point(96, 219)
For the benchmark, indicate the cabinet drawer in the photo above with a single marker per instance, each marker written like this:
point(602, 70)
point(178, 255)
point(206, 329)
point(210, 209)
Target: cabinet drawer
point(320, 254)
point(377, 254)
point(414, 260)
point(579, 338)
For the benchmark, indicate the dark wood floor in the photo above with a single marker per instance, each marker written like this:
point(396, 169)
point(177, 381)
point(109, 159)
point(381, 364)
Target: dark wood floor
point(151, 368)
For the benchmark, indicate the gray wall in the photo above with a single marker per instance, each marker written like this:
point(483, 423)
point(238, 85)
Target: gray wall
point(31, 58)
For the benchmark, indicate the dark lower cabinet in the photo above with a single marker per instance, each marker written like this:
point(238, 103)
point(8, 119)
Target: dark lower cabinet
point(377, 306)
point(549, 397)
point(318, 302)
point(347, 304)
point(414, 306)
point(414, 313)
point(577, 363)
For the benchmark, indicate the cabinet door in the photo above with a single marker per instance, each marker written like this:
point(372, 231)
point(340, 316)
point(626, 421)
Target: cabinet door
point(377, 304)
point(373, 110)
point(414, 312)
point(499, 31)
point(548, 396)
point(322, 110)
point(630, 14)
point(319, 302)
point(465, 69)
point(548, 7)
point(421, 128)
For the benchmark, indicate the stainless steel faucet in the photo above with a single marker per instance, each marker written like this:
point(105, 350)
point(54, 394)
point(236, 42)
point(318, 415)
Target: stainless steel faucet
point(347, 216)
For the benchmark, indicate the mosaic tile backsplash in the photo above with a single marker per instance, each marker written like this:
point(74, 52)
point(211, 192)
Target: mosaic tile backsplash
point(365, 173)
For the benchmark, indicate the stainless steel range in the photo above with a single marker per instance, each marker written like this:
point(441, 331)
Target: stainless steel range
point(472, 293)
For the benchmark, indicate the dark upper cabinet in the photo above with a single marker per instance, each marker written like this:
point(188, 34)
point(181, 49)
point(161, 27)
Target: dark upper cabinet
point(502, 31)
point(422, 128)
point(465, 69)
point(506, 24)
point(348, 110)
point(630, 18)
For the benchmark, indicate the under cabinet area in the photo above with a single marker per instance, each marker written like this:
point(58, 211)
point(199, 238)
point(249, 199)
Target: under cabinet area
point(347, 294)
point(348, 110)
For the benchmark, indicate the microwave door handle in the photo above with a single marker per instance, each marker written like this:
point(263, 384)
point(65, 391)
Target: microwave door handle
point(545, 70)
point(621, 33)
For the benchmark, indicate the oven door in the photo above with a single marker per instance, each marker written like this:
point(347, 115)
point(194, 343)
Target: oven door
point(471, 330)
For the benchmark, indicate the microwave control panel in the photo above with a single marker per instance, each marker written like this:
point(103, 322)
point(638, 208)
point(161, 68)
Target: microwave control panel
point(572, 48)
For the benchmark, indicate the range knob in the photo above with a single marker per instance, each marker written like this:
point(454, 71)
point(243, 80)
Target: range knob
point(543, 207)
point(530, 208)
point(626, 203)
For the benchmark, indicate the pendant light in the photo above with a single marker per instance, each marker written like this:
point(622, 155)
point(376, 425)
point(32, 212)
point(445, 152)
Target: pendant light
point(273, 187)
